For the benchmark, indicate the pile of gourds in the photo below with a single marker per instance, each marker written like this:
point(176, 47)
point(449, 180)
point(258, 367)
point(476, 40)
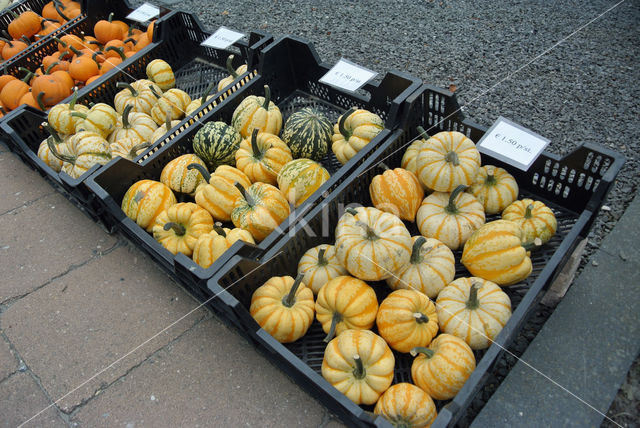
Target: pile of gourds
point(79, 60)
point(374, 244)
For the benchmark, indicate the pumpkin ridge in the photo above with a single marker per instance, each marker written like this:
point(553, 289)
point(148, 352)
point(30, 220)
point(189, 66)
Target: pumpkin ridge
point(490, 315)
point(492, 254)
point(452, 316)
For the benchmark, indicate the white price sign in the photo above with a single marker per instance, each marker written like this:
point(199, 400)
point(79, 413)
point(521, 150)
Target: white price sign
point(512, 143)
point(223, 38)
point(347, 75)
point(144, 13)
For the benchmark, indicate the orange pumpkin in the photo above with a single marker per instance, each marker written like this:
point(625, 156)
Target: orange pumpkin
point(406, 405)
point(106, 30)
point(398, 192)
point(27, 24)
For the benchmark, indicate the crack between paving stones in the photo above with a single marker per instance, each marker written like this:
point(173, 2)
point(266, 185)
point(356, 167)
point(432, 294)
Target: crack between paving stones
point(28, 203)
point(72, 413)
point(326, 418)
point(6, 304)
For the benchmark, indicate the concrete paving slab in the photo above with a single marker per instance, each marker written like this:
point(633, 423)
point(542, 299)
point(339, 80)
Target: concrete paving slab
point(624, 243)
point(3, 147)
point(21, 399)
point(71, 329)
point(8, 361)
point(208, 377)
point(587, 346)
point(42, 241)
point(19, 184)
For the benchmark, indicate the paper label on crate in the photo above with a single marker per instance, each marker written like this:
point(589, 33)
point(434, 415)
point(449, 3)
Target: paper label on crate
point(144, 13)
point(347, 75)
point(512, 143)
point(223, 38)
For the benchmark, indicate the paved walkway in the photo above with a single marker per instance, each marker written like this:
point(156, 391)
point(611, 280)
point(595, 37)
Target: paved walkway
point(74, 300)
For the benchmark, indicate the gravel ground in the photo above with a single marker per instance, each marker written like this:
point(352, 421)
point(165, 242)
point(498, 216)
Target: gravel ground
point(583, 90)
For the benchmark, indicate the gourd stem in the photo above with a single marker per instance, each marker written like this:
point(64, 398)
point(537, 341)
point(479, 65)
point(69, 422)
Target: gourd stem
point(416, 258)
point(358, 372)
point(230, 68)
point(247, 197)
point(48, 70)
point(421, 318)
point(40, 102)
point(128, 86)
point(335, 319)
point(95, 54)
point(28, 76)
point(346, 134)
point(321, 260)
point(371, 234)
point(384, 166)
point(422, 132)
point(125, 116)
point(177, 228)
point(117, 50)
point(451, 207)
point(257, 153)
point(267, 97)
point(491, 180)
point(290, 298)
point(110, 18)
point(201, 170)
point(167, 121)
point(532, 245)
point(74, 98)
point(130, 40)
point(155, 93)
point(57, 5)
point(134, 150)
point(452, 157)
point(422, 350)
point(63, 54)
point(473, 301)
point(25, 39)
point(54, 151)
point(351, 211)
point(79, 114)
point(75, 51)
point(14, 14)
point(207, 92)
point(218, 227)
point(52, 132)
point(528, 212)
point(62, 42)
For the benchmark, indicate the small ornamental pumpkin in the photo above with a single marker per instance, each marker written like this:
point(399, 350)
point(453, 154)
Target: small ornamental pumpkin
point(216, 143)
point(308, 133)
point(473, 309)
point(128, 148)
point(447, 160)
point(106, 29)
point(406, 405)
point(283, 307)
point(135, 125)
point(218, 194)
point(26, 24)
point(300, 178)
point(495, 188)
point(13, 90)
point(145, 200)
point(442, 369)
point(210, 246)
point(430, 269)
point(397, 191)
point(160, 72)
point(320, 265)
point(260, 210)
point(257, 112)
point(53, 88)
point(233, 73)
point(410, 156)
point(163, 129)
point(534, 218)
point(83, 66)
point(60, 117)
point(371, 244)
point(354, 130)
point(450, 218)
point(178, 227)
point(195, 104)
point(44, 152)
point(84, 150)
point(138, 94)
point(174, 101)
point(359, 364)
point(406, 319)
point(101, 118)
point(346, 303)
point(262, 156)
point(179, 177)
point(497, 253)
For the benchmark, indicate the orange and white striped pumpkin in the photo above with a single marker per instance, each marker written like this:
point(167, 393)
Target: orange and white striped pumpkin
point(406, 319)
point(473, 309)
point(354, 130)
point(262, 156)
point(450, 218)
point(406, 405)
point(430, 269)
point(372, 244)
point(442, 369)
point(135, 125)
point(160, 72)
point(178, 227)
point(216, 193)
point(320, 265)
point(210, 246)
point(145, 200)
point(256, 112)
point(495, 188)
point(534, 217)
point(496, 253)
point(447, 160)
point(177, 175)
point(260, 210)
point(397, 191)
point(174, 102)
point(138, 94)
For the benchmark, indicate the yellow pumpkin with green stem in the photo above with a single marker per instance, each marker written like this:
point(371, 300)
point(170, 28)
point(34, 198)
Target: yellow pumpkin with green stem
point(450, 218)
point(346, 303)
point(260, 210)
point(217, 193)
point(101, 119)
point(473, 309)
point(160, 72)
point(442, 369)
point(430, 269)
point(135, 125)
point(354, 130)
point(397, 191)
point(145, 200)
point(300, 178)
point(495, 188)
point(210, 246)
point(257, 113)
point(84, 150)
point(128, 148)
point(198, 102)
point(320, 265)
point(163, 129)
point(406, 319)
point(371, 244)
point(406, 406)
point(233, 73)
point(44, 152)
point(174, 101)
point(410, 155)
point(283, 307)
point(60, 118)
point(359, 364)
point(137, 94)
point(178, 227)
point(534, 218)
point(179, 177)
point(262, 156)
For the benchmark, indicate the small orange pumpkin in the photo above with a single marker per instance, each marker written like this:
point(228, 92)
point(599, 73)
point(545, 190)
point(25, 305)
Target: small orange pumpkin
point(397, 191)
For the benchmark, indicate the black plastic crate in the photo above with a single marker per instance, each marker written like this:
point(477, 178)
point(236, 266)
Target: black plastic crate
point(195, 66)
point(573, 186)
point(291, 68)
